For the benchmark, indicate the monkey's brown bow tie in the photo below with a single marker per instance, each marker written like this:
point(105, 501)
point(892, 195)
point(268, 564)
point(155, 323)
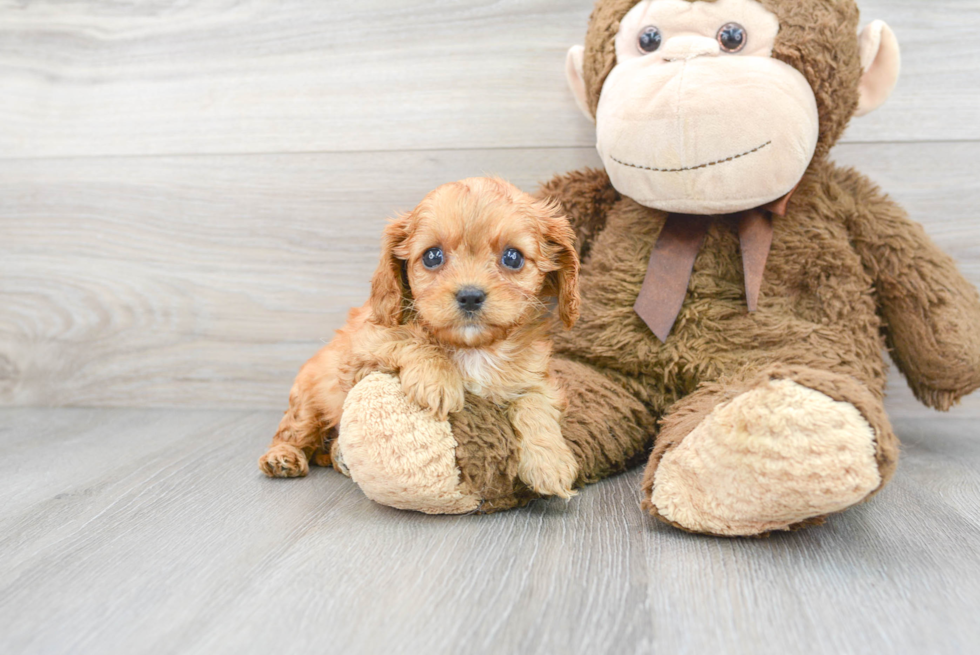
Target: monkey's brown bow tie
point(672, 262)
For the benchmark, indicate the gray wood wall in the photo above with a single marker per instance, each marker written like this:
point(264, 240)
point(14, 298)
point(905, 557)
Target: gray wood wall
point(191, 192)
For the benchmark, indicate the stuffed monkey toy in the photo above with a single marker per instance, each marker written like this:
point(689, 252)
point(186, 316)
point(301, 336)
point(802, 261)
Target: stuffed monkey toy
point(738, 289)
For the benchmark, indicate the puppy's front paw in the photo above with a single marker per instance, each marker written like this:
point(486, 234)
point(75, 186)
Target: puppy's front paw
point(549, 471)
point(440, 394)
point(284, 461)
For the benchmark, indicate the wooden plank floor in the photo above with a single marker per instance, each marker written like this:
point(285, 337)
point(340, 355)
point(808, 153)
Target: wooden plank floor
point(151, 531)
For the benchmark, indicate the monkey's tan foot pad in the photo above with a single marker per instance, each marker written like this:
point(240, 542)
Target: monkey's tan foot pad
point(772, 457)
point(397, 453)
point(283, 460)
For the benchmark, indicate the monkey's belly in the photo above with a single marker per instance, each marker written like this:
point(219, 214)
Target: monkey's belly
point(816, 309)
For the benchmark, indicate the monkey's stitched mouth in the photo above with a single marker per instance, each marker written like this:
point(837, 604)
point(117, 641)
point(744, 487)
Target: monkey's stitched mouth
point(691, 168)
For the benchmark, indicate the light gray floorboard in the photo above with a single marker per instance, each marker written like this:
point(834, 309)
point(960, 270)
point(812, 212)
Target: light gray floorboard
point(102, 77)
point(151, 531)
point(207, 281)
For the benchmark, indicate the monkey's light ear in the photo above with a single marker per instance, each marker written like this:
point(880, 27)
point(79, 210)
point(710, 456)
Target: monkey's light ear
point(881, 61)
point(576, 79)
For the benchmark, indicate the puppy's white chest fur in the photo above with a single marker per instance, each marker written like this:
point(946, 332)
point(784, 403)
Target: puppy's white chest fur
point(480, 369)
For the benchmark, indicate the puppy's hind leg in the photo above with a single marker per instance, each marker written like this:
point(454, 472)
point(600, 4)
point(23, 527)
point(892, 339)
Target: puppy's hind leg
point(295, 442)
point(547, 464)
point(315, 404)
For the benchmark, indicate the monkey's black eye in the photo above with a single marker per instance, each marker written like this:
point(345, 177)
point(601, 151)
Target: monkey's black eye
point(433, 258)
point(732, 37)
point(512, 259)
point(650, 39)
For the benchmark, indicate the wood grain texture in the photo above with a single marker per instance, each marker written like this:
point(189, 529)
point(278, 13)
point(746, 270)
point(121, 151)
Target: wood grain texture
point(246, 76)
point(199, 280)
point(152, 531)
point(136, 269)
point(207, 281)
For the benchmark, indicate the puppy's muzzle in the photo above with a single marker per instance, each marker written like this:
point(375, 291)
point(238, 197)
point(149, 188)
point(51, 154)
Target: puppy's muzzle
point(470, 299)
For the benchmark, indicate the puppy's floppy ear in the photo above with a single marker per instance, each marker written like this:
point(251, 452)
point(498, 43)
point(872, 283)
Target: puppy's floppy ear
point(559, 248)
point(389, 286)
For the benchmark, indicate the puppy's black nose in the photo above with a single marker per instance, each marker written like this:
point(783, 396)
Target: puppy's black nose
point(470, 299)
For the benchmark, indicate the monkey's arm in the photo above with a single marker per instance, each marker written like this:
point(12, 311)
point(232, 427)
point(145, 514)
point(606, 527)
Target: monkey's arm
point(931, 313)
point(585, 197)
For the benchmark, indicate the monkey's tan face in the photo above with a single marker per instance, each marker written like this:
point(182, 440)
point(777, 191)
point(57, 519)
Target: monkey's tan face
point(697, 117)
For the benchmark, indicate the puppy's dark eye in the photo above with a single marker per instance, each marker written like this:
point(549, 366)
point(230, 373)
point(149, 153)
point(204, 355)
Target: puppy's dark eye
point(433, 258)
point(732, 37)
point(512, 259)
point(650, 39)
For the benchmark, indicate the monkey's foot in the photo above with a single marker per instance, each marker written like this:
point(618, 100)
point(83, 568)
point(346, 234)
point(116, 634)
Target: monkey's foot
point(778, 455)
point(397, 453)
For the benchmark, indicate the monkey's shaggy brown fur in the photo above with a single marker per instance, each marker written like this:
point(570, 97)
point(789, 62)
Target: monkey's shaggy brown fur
point(848, 274)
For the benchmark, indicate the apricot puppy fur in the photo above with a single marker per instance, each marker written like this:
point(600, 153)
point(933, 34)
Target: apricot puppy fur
point(460, 302)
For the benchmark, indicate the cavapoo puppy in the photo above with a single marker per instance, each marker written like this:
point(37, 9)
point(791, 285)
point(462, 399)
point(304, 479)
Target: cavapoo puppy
point(469, 285)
